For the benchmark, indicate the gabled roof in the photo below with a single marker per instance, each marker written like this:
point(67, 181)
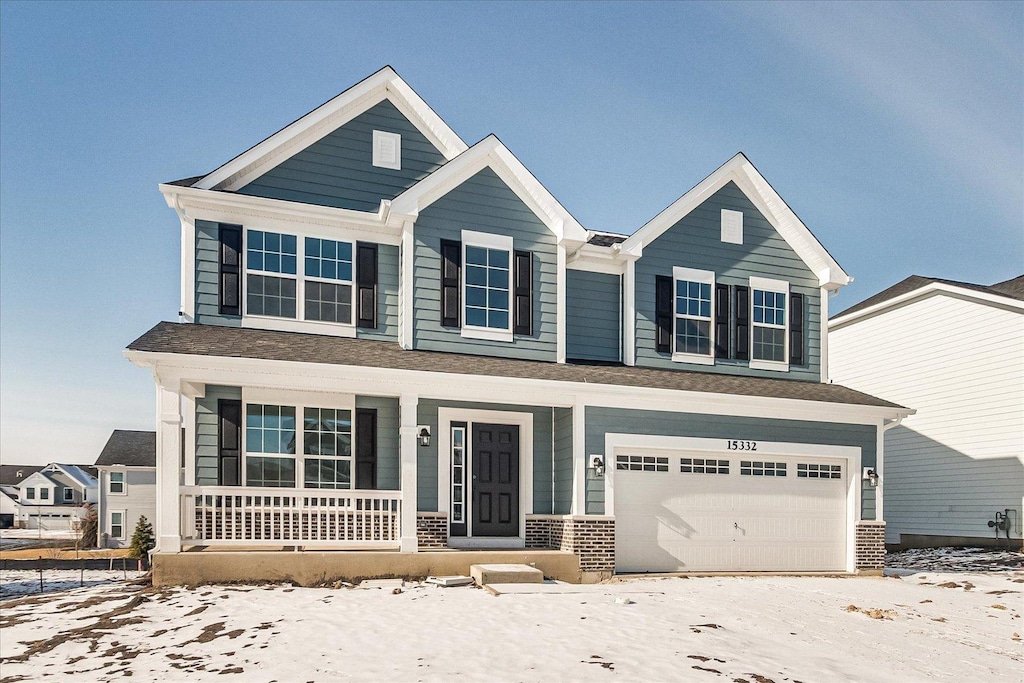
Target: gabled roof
point(916, 286)
point(491, 153)
point(39, 475)
point(236, 342)
point(9, 473)
point(77, 474)
point(129, 447)
point(740, 171)
point(296, 136)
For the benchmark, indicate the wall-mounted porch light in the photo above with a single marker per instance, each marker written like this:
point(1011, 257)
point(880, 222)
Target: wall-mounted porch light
point(423, 435)
point(871, 476)
point(597, 466)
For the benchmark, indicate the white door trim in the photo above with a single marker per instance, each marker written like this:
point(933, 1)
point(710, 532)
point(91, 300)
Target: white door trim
point(445, 417)
point(615, 443)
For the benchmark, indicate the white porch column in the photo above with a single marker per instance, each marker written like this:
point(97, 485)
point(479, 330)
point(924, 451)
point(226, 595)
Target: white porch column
point(168, 468)
point(579, 459)
point(879, 466)
point(408, 446)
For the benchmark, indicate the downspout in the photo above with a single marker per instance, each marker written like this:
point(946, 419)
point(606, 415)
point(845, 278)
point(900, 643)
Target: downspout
point(879, 463)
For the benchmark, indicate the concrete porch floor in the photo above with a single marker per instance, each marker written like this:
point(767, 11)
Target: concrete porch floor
point(311, 568)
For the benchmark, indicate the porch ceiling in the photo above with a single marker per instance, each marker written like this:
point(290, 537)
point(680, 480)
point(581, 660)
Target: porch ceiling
point(234, 342)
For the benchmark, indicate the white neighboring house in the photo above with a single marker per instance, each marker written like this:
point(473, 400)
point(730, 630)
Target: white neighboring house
point(954, 352)
point(127, 485)
point(52, 498)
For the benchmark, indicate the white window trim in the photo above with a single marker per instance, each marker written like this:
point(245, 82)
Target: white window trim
point(124, 484)
point(487, 241)
point(780, 287)
point(379, 161)
point(703, 277)
point(299, 400)
point(67, 498)
point(728, 216)
point(299, 322)
point(124, 524)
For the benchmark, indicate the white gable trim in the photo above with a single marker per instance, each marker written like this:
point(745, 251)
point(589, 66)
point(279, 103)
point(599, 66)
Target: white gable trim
point(740, 171)
point(490, 153)
point(295, 137)
point(932, 289)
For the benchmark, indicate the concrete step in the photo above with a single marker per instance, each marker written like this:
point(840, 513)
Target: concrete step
point(484, 574)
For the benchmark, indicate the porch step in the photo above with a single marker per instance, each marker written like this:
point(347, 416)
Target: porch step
point(484, 574)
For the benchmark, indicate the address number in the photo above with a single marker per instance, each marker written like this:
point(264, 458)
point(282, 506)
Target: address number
point(741, 445)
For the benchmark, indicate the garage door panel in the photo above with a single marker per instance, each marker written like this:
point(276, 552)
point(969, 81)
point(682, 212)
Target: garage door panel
point(684, 521)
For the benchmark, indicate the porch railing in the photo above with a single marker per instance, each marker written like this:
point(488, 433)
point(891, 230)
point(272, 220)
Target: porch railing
point(231, 515)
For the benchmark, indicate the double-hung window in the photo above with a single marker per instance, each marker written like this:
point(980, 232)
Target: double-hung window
point(269, 445)
point(116, 483)
point(321, 290)
point(327, 446)
point(30, 494)
point(44, 494)
point(117, 524)
point(69, 495)
point(486, 286)
point(693, 331)
point(769, 324)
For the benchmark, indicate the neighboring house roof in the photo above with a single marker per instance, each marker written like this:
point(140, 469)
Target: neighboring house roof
point(9, 491)
point(739, 170)
point(907, 289)
point(77, 474)
point(490, 152)
point(336, 112)
point(40, 475)
point(12, 475)
point(211, 340)
point(129, 447)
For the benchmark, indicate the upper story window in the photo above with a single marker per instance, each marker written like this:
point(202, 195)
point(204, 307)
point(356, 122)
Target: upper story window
point(116, 484)
point(274, 285)
point(69, 495)
point(685, 315)
point(30, 494)
point(387, 150)
point(44, 494)
point(769, 324)
point(487, 286)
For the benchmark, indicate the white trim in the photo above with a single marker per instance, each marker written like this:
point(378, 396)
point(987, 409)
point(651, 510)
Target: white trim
point(269, 322)
point(765, 284)
point(265, 395)
point(406, 299)
point(486, 334)
point(706, 277)
point(188, 269)
point(488, 240)
point(629, 314)
point(293, 138)
point(374, 381)
point(615, 443)
point(380, 139)
point(823, 328)
point(491, 153)
point(596, 259)
point(739, 170)
point(485, 240)
point(445, 417)
point(560, 305)
point(931, 289)
point(579, 459)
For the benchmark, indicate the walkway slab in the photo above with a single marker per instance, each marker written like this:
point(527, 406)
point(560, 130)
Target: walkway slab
point(485, 574)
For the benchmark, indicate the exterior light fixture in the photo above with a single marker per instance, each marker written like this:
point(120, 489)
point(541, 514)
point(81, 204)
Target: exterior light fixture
point(423, 434)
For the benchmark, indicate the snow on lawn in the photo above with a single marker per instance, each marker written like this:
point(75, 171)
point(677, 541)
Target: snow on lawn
point(18, 582)
point(924, 626)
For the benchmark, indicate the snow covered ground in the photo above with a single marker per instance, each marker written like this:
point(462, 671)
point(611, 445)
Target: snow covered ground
point(920, 626)
point(13, 539)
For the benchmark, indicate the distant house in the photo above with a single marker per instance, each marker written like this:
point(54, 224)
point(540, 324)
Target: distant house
point(127, 485)
point(10, 477)
point(954, 351)
point(52, 497)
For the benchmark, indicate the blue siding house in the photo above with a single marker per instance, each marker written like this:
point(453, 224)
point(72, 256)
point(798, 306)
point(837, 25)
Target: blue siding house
point(392, 341)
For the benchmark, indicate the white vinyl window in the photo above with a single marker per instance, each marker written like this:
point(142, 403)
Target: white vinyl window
point(769, 329)
point(486, 286)
point(327, 445)
point(30, 494)
point(117, 484)
point(117, 524)
point(306, 279)
point(44, 494)
point(693, 327)
point(69, 495)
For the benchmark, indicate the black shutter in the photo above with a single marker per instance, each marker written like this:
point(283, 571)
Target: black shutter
point(451, 282)
point(229, 442)
point(230, 269)
point(721, 321)
point(663, 302)
point(796, 329)
point(366, 448)
point(741, 312)
point(523, 293)
point(366, 285)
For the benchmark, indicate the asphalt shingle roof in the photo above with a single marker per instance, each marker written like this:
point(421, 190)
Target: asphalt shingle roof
point(129, 447)
point(1013, 289)
point(234, 342)
point(9, 473)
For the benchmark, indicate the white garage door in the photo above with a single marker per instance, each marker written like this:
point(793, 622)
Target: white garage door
point(698, 512)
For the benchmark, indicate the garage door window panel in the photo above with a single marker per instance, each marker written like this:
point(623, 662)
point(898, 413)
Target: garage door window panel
point(818, 471)
point(642, 463)
point(761, 468)
point(703, 466)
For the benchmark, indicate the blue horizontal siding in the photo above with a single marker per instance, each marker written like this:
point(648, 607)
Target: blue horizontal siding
point(208, 277)
point(592, 311)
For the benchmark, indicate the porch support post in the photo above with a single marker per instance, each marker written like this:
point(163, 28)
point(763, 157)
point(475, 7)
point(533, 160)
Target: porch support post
point(168, 468)
point(579, 459)
point(407, 447)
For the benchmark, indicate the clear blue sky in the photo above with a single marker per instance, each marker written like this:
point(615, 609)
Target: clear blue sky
point(893, 130)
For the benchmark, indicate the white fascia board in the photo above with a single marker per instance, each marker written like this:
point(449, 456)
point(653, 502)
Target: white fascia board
point(739, 170)
point(490, 153)
point(931, 289)
point(598, 260)
point(226, 207)
point(293, 138)
point(373, 381)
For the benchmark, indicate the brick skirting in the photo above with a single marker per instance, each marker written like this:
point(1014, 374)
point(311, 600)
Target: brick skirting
point(432, 530)
point(870, 546)
point(591, 538)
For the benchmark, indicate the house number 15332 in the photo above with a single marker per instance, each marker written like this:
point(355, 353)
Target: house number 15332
point(741, 445)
